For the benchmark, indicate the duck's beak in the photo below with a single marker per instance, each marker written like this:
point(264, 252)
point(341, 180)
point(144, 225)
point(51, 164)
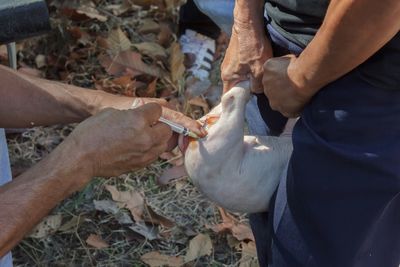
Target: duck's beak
point(184, 141)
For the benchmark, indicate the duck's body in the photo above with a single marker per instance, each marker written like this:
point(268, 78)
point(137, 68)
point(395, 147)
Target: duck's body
point(238, 172)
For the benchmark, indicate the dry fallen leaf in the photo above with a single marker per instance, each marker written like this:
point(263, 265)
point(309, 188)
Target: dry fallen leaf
point(180, 184)
point(128, 61)
point(171, 174)
point(124, 85)
point(128, 86)
point(148, 3)
point(147, 91)
point(155, 218)
point(165, 35)
point(176, 62)
point(89, 9)
point(213, 95)
point(196, 87)
point(40, 61)
point(79, 35)
point(117, 41)
point(149, 232)
point(83, 11)
point(249, 255)
point(148, 26)
point(96, 242)
point(136, 204)
point(200, 102)
point(131, 200)
point(3, 52)
point(239, 230)
point(252, 262)
point(47, 226)
point(156, 259)
point(171, 4)
point(242, 232)
point(151, 49)
point(249, 248)
point(175, 104)
point(199, 246)
point(110, 207)
point(119, 9)
point(71, 225)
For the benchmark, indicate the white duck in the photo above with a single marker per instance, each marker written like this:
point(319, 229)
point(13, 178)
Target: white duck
point(237, 172)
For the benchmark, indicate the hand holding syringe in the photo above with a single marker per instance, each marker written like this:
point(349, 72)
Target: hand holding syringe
point(179, 128)
point(174, 126)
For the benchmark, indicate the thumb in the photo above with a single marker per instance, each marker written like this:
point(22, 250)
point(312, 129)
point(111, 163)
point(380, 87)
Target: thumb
point(229, 84)
point(256, 85)
point(151, 112)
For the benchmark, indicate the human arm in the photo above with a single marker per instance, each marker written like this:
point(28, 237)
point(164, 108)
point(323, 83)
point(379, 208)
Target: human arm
point(352, 31)
point(137, 140)
point(248, 48)
point(27, 101)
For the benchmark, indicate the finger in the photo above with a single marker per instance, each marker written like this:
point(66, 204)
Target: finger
point(287, 114)
point(150, 112)
point(159, 101)
point(226, 87)
point(183, 143)
point(230, 77)
point(291, 114)
point(153, 155)
point(161, 148)
point(265, 86)
point(173, 141)
point(185, 121)
point(256, 85)
point(160, 133)
point(149, 158)
point(229, 84)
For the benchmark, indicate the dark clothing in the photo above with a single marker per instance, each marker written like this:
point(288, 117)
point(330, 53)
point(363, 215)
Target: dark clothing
point(190, 17)
point(382, 70)
point(340, 203)
point(343, 181)
point(299, 20)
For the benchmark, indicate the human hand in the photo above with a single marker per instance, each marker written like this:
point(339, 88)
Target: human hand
point(177, 117)
point(284, 91)
point(117, 141)
point(123, 103)
point(248, 49)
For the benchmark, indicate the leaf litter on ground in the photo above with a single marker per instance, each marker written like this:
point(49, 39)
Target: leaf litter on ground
point(125, 47)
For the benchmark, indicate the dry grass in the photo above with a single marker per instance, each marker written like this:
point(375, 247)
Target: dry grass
point(179, 201)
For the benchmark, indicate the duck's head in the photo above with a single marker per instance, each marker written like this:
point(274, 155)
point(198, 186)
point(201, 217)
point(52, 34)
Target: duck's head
point(234, 101)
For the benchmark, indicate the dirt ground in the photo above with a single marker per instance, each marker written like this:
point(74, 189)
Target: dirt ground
point(100, 226)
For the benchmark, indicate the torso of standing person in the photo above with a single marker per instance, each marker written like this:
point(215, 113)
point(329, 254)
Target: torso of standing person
point(299, 20)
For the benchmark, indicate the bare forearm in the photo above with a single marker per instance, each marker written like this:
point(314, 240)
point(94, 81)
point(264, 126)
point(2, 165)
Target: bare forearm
point(351, 32)
point(30, 197)
point(248, 47)
point(249, 12)
point(27, 101)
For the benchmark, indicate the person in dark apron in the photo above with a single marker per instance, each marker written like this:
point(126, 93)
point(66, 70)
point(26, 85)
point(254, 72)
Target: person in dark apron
point(339, 204)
